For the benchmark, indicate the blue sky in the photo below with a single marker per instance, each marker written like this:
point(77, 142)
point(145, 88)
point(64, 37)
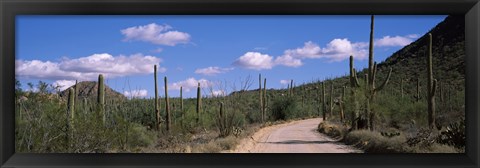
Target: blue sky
point(218, 51)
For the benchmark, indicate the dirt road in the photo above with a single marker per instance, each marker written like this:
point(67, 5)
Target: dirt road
point(294, 137)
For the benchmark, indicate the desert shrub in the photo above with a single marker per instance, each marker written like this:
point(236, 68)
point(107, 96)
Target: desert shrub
point(437, 148)
point(453, 135)
point(139, 136)
point(374, 142)
point(283, 108)
point(227, 143)
point(332, 130)
point(41, 124)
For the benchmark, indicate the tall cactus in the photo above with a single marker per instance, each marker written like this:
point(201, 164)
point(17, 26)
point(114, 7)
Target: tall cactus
point(181, 106)
point(330, 112)
point(222, 120)
point(76, 91)
point(353, 85)
point(264, 99)
point(291, 87)
point(69, 116)
point(364, 121)
point(324, 107)
point(341, 105)
point(168, 116)
point(260, 98)
point(431, 86)
point(199, 103)
point(401, 87)
point(372, 72)
point(157, 106)
point(303, 97)
point(101, 98)
point(71, 103)
point(71, 110)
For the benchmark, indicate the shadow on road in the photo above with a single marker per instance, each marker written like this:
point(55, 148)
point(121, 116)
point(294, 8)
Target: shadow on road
point(302, 142)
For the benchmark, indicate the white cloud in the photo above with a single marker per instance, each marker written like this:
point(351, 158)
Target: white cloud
point(190, 84)
point(88, 68)
point(335, 50)
point(284, 82)
point(63, 84)
point(212, 70)
point(156, 34)
point(288, 60)
point(255, 60)
point(135, 93)
point(394, 41)
point(341, 49)
point(338, 49)
point(218, 93)
point(309, 50)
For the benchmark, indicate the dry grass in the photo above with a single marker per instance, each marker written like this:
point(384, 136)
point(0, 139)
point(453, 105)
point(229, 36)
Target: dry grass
point(374, 142)
point(332, 130)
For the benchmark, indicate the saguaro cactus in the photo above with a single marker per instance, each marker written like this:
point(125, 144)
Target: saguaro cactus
point(431, 86)
point(222, 119)
point(101, 98)
point(341, 104)
point(324, 111)
point(260, 98)
point(318, 100)
point(70, 115)
point(372, 72)
point(264, 98)
point(157, 106)
point(76, 91)
point(331, 100)
point(353, 85)
point(168, 116)
point(181, 106)
point(291, 87)
point(71, 108)
point(199, 103)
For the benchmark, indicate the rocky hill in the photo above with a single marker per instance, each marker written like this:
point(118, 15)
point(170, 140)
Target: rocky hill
point(89, 89)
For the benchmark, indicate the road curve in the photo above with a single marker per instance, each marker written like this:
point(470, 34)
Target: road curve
point(294, 137)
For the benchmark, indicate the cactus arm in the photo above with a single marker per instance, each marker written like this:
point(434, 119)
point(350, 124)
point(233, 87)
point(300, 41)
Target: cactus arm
point(434, 87)
point(384, 82)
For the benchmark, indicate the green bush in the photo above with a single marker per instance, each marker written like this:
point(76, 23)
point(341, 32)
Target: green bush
point(283, 108)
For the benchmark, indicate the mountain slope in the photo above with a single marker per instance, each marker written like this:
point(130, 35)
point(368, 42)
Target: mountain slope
point(89, 89)
point(448, 54)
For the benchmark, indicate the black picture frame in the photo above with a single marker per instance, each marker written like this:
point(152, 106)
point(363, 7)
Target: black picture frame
point(11, 8)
